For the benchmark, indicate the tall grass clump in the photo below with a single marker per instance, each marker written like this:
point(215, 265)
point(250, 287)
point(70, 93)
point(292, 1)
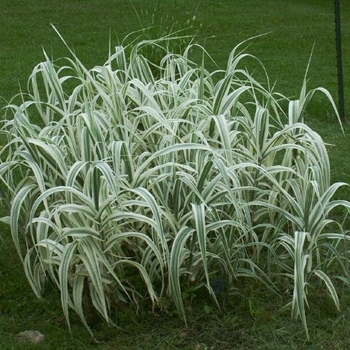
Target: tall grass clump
point(127, 186)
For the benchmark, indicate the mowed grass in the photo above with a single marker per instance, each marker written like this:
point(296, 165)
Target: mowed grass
point(295, 29)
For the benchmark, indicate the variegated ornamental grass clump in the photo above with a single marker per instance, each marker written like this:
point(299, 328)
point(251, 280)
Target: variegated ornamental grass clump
point(134, 186)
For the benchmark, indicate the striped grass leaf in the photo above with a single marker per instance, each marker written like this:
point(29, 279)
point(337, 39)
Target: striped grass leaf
point(199, 216)
point(332, 291)
point(16, 208)
point(301, 261)
point(68, 259)
point(177, 256)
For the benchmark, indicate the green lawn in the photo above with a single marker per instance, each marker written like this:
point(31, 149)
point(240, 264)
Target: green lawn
point(294, 29)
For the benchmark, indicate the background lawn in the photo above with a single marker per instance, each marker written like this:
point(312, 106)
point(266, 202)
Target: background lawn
point(294, 28)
